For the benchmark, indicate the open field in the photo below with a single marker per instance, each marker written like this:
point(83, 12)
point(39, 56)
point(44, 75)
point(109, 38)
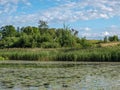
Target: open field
point(110, 44)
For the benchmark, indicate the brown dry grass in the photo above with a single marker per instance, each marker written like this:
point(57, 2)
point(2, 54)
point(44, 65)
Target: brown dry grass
point(109, 44)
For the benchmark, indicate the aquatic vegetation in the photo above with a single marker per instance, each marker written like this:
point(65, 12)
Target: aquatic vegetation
point(106, 54)
point(90, 76)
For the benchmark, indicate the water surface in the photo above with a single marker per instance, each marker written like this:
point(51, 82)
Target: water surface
point(61, 76)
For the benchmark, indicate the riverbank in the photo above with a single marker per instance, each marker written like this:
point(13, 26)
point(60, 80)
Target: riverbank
point(50, 64)
point(102, 54)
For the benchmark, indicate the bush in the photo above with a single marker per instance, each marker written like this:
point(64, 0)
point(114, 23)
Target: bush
point(1, 58)
point(50, 45)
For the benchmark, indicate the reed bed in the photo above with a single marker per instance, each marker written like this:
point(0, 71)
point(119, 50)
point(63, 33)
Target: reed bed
point(104, 54)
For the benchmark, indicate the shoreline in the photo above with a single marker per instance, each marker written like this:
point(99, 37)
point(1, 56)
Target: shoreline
point(55, 62)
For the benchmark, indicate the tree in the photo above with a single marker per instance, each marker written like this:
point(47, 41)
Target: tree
point(65, 38)
point(113, 38)
point(8, 31)
point(85, 43)
point(28, 30)
point(43, 36)
point(8, 42)
point(35, 30)
point(42, 24)
point(52, 32)
point(26, 41)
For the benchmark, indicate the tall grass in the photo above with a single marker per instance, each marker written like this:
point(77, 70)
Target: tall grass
point(111, 54)
point(98, 54)
point(27, 54)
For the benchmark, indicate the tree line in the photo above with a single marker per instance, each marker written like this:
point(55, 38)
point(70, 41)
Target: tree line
point(111, 38)
point(41, 37)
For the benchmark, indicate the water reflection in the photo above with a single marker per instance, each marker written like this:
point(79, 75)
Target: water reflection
point(70, 76)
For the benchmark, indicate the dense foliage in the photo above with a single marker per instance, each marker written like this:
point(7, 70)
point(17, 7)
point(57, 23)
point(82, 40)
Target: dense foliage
point(41, 37)
point(111, 38)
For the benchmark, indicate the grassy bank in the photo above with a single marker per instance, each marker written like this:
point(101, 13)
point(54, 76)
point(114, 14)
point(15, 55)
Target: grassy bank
point(50, 64)
point(104, 54)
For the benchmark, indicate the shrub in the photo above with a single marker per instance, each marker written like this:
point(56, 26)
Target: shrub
point(1, 58)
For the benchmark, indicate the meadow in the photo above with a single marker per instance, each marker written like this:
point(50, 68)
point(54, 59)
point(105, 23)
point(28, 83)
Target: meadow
point(102, 54)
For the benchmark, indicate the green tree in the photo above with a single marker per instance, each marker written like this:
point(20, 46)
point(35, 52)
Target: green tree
point(26, 41)
point(8, 31)
point(42, 24)
point(66, 38)
point(85, 43)
point(28, 30)
point(52, 32)
point(113, 38)
point(8, 42)
point(46, 38)
point(35, 30)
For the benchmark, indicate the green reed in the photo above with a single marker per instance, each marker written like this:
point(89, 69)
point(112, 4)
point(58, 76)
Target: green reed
point(92, 54)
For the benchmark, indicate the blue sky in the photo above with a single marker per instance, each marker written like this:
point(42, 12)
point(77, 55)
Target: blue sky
point(92, 18)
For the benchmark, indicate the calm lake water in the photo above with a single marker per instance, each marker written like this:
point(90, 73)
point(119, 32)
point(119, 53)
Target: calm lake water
point(62, 76)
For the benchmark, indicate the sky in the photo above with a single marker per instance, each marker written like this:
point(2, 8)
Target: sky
point(94, 19)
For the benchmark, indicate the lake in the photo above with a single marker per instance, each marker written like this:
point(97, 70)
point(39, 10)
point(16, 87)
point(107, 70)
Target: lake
point(60, 76)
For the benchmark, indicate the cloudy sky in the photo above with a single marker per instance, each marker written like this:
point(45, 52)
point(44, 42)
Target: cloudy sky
point(92, 18)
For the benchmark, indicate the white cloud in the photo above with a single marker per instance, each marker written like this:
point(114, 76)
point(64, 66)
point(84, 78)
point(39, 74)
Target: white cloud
point(108, 31)
point(26, 2)
point(112, 28)
point(71, 11)
point(11, 6)
point(85, 29)
point(66, 11)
